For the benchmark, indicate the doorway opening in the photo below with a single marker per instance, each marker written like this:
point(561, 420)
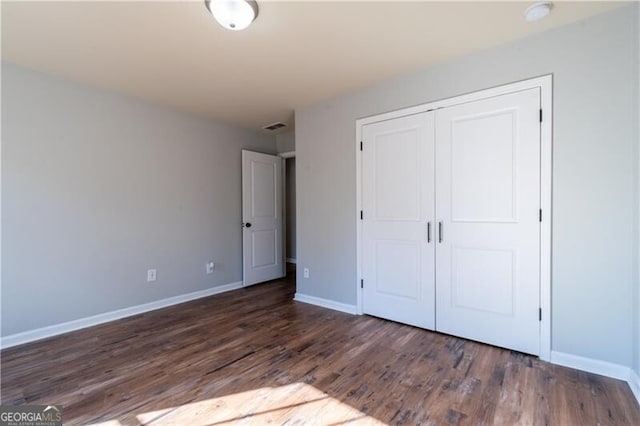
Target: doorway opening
point(289, 173)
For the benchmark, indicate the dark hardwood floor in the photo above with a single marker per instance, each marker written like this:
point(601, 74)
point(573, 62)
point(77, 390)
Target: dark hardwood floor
point(254, 356)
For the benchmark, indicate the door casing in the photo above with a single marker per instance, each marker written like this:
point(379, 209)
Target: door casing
point(545, 83)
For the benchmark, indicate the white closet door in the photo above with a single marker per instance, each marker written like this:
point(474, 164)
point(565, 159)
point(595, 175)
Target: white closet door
point(398, 184)
point(487, 200)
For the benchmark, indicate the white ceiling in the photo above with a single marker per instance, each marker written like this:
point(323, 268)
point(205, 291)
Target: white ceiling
point(294, 54)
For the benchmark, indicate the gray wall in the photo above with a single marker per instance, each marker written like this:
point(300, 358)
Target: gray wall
point(637, 191)
point(594, 69)
point(99, 187)
point(286, 142)
point(291, 208)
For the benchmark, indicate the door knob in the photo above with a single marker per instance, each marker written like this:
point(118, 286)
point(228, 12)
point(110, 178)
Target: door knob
point(247, 225)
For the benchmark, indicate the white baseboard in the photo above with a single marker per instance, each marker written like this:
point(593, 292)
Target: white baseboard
point(53, 330)
point(590, 365)
point(603, 368)
point(291, 260)
point(325, 303)
point(634, 384)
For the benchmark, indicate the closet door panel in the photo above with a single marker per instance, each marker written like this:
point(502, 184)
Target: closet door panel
point(398, 209)
point(487, 206)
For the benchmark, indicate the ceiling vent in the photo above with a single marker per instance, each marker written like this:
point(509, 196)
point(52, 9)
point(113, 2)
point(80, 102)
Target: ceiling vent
point(274, 126)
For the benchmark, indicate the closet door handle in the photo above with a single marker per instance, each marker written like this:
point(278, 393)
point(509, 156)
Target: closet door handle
point(428, 232)
point(439, 232)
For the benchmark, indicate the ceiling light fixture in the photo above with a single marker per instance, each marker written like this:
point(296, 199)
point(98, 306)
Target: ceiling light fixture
point(233, 14)
point(537, 11)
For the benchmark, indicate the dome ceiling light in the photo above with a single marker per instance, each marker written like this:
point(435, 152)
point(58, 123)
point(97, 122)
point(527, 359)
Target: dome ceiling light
point(233, 14)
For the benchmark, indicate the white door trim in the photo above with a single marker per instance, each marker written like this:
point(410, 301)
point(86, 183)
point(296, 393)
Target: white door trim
point(545, 84)
point(288, 154)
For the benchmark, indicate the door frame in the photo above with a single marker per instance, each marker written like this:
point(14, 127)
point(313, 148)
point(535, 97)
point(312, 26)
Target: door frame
point(545, 84)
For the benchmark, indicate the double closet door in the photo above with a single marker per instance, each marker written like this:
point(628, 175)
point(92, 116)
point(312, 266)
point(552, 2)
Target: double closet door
point(451, 230)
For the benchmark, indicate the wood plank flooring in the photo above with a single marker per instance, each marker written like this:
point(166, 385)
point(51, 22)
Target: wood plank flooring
point(254, 356)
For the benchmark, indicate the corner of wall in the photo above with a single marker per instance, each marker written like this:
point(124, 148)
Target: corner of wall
point(1, 66)
point(636, 324)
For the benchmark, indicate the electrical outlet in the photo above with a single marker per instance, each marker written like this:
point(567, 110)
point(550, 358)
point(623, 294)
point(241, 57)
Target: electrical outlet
point(151, 275)
point(210, 267)
point(305, 272)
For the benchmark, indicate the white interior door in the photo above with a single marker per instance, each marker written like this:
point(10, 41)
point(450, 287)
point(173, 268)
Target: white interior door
point(398, 228)
point(487, 207)
point(262, 255)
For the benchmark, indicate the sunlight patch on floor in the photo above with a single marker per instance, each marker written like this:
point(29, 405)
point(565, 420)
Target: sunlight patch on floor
point(297, 403)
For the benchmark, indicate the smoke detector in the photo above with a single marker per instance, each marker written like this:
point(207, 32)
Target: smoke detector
point(537, 11)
